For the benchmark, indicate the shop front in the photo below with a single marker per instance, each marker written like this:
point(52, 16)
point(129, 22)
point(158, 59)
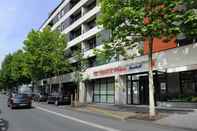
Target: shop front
point(138, 87)
point(175, 79)
point(104, 91)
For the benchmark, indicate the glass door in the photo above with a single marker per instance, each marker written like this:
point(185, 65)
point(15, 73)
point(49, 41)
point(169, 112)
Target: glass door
point(136, 92)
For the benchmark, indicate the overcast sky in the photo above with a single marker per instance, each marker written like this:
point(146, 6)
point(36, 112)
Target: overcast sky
point(17, 18)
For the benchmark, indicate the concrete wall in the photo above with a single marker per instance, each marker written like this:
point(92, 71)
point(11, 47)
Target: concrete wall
point(89, 93)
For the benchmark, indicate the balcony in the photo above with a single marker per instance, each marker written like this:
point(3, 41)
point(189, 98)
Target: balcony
point(73, 3)
point(81, 20)
point(89, 6)
point(75, 33)
point(74, 17)
point(84, 36)
point(90, 44)
point(90, 24)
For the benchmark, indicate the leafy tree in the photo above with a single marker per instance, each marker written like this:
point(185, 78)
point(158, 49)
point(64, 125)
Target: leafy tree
point(133, 21)
point(79, 69)
point(6, 79)
point(14, 71)
point(45, 53)
point(19, 69)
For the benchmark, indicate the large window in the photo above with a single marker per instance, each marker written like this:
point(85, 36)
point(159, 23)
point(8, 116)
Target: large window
point(104, 91)
point(189, 82)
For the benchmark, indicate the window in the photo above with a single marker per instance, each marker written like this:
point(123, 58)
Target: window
point(186, 41)
point(73, 3)
point(189, 82)
point(90, 5)
point(75, 33)
point(75, 16)
point(91, 24)
point(92, 62)
point(104, 91)
point(90, 44)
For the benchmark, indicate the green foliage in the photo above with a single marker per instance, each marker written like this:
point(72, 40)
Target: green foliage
point(14, 70)
point(43, 56)
point(45, 53)
point(194, 99)
point(130, 21)
point(183, 98)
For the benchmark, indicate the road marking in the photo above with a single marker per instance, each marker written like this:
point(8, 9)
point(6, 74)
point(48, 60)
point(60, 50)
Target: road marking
point(77, 120)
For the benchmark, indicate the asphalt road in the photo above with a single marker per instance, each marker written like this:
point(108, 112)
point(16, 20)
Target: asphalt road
point(44, 117)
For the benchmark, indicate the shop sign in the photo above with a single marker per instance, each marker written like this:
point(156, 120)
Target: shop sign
point(135, 66)
point(120, 69)
point(111, 71)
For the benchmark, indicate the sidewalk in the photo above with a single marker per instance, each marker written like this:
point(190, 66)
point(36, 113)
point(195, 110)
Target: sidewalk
point(187, 120)
point(173, 117)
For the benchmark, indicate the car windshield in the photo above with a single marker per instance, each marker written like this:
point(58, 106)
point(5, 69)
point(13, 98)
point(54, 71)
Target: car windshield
point(20, 96)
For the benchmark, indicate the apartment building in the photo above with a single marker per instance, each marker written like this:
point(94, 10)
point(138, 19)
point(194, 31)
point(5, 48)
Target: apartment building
point(123, 81)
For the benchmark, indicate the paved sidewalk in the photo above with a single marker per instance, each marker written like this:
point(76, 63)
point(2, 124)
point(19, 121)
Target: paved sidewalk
point(140, 108)
point(187, 120)
point(122, 125)
point(173, 117)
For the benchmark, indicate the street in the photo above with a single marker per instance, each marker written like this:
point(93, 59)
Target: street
point(44, 117)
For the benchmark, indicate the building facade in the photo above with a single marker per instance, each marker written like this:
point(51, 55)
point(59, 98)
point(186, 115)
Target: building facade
point(123, 81)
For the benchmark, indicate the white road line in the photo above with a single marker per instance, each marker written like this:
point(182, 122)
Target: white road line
point(77, 120)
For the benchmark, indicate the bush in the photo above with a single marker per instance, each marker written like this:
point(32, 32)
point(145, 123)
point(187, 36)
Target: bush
point(194, 99)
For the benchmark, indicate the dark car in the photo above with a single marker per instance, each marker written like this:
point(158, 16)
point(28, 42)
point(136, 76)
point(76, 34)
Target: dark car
point(59, 99)
point(19, 100)
point(40, 97)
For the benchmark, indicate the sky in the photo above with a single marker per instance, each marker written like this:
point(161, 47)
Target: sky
point(17, 18)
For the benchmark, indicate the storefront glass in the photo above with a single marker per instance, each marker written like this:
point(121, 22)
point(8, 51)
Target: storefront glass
point(189, 83)
point(104, 90)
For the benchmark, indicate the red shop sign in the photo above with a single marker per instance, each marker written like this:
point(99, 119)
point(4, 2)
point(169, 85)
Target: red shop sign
point(111, 71)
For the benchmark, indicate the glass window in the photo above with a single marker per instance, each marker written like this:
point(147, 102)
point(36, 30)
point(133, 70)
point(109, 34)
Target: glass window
point(104, 91)
point(96, 88)
point(110, 98)
point(103, 99)
point(189, 82)
point(96, 98)
point(103, 87)
point(110, 88)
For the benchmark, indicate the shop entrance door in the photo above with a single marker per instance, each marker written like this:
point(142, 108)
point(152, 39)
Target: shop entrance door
point(137, 89)
point(144, 90)
point(136, 92)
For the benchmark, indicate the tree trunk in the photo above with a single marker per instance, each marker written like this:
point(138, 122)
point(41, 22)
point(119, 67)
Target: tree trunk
point(151, 82)
point(76, 99)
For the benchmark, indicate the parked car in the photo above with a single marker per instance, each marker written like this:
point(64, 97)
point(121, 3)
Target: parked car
point(59, 99)
point(40, 97)
point(19, 100)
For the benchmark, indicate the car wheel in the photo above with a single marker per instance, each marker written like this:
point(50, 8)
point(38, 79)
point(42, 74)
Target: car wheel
point(29, 106)
point(56, 103)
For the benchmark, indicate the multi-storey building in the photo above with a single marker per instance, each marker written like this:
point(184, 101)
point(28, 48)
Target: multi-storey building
point(123, 81)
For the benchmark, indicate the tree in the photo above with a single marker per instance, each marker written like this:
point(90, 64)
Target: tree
point(133, 21)
point(6, 78)
point(79, 69)
point(45, 53)
point(19, 69)
point(14, 71)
